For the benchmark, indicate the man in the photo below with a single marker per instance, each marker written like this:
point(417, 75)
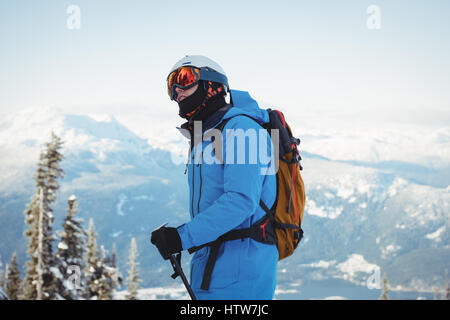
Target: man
point(226, 195)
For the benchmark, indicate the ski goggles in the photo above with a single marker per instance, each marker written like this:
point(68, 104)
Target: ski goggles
point(183, 78)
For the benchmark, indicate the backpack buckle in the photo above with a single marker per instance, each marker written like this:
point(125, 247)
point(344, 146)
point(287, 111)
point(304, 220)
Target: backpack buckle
point(298, 235)
point(295, 141)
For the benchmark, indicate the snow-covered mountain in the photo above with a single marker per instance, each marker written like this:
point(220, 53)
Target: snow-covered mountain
point(376, 199)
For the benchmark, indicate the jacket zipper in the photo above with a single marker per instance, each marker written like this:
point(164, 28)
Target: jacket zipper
point(193, 188)
point(200, 191)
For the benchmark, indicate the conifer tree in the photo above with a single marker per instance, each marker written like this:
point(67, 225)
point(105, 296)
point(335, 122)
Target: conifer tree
point(112, 270)
point(101, 277)
point(385, 288)
point(32, 219)
point(40, 275)
point(2, 277)
point(106, 283)
point(133, 275)
point(13, 283)
point(5, 275)
point(70, 255)
point(92, 262)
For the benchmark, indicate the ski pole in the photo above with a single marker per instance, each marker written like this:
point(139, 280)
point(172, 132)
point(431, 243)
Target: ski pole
point(174, 260)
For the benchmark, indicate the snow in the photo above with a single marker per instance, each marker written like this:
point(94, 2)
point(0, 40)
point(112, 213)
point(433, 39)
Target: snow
point(322, 212)
point(423, 205)
point(101, 117)
point(62, 245)
point(335, 298)
point(354, 264)
point(389, 250)
point(398, 184)
point(56, 273)
point(157, 293)
point(320, 264)
point(436, 236)
point(144, 197)
point(352, 199)
point(119, 206)
point(278, 291)
point(115, 234)
point(346, 189)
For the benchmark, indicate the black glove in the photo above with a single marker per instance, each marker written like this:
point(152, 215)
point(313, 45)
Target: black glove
point(167, 240)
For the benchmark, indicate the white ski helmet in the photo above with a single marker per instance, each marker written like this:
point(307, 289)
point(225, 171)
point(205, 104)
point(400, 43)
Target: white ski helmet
point(209, 69)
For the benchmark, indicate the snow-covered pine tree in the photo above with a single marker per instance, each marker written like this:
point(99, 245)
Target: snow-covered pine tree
point(53, 173)
point(39, 280)
point(5, 275)
point(32, 219)
point(107, 284)
point(101, 276)
point(53, 167)
point(91, 263)
point(70, 255)
point(112, 270)
point(13, 282)
point(2, 277)
point(133, 273)
point(384, 288)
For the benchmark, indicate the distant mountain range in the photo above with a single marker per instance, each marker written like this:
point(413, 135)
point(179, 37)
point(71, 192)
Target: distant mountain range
point(363, 212)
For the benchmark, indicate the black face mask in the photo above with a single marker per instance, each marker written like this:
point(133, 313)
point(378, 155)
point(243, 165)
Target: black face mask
point(192, 102)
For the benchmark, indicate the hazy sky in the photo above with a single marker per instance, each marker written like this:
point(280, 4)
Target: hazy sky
point(301, 56)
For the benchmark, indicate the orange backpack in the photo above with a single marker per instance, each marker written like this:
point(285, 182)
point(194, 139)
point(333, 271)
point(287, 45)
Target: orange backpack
point(290, 203)
point(282, 223)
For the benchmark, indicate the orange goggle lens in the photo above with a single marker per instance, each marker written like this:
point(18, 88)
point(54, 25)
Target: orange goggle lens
point(182, 77)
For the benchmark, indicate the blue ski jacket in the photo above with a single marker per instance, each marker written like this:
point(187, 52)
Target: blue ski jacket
point(225, 196)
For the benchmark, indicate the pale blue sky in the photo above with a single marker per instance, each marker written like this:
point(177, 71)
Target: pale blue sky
point(303, 56)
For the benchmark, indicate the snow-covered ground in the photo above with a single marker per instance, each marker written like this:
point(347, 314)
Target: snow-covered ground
point(179, 293)
point(157, 293)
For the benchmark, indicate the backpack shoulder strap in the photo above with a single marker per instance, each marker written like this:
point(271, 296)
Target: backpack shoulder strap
point(224, 122)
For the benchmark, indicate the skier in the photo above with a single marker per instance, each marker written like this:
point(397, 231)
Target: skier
point(226, 195)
